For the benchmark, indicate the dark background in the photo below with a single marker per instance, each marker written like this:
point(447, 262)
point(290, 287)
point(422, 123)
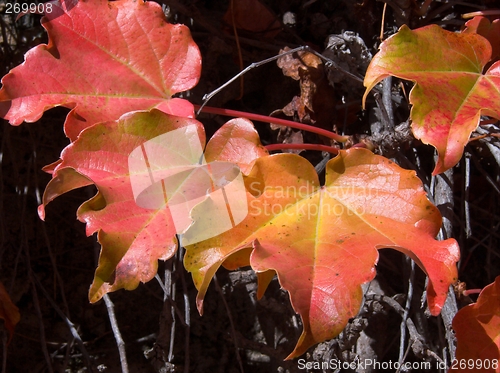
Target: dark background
point(47, 267)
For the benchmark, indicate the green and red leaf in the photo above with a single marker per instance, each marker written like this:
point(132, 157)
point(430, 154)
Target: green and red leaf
point(132, 238)
point(451, 91)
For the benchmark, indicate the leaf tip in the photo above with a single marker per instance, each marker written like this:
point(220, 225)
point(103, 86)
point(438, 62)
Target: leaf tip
point(41, 212)
point(305, 341)
point(199, 304)
point(443, 165)
point(363, 102)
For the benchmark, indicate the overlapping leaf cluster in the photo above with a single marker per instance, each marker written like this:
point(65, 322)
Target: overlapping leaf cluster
point(117, 65)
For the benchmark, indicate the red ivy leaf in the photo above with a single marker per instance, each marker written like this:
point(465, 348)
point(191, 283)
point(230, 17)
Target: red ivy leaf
point(132, 238)
point(103, 59)
point(477, 327)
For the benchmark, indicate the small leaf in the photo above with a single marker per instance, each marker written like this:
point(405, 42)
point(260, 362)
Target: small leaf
point(490, 30)
point(317, 101)
point(252, 16)
point(103, 59)
point(450, 93)
point(236, 141)
point(323, 241)
point(9, 313)
point(477, 327)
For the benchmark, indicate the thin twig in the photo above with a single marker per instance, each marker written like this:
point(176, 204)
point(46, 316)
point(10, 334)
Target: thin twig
point(116, 332)
point(112, 319)
point(380, 104)
point(38, 311)
point(387, 102)
point(231, 322)
point(443, 199)
point(68, 322)
point(187, 311)
point(32, 278)
point(484, 13)
point(383, 23)
point(448, 312)
point(468, 229)
point(57, 276)
point(322, 164)
point(409, 298)
point(238, 47)
point(67, 354)
point(170, 285)
point(58, 282)
point(416, 339)
point(169, 291)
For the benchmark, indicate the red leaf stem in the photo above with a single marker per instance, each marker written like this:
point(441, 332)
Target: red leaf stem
point(278, 121)
point(318, 147)
point(471, 291)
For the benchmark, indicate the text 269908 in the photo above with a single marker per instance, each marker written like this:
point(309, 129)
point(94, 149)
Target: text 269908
point(39, 8)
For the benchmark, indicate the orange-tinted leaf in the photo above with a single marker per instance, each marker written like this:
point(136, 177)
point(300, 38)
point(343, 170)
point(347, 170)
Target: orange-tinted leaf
point(490, 30)
point(103, 59)
point(450, 93)
point(9, 313)
point(323, 241)
point(477, 327)
point(236, 141)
